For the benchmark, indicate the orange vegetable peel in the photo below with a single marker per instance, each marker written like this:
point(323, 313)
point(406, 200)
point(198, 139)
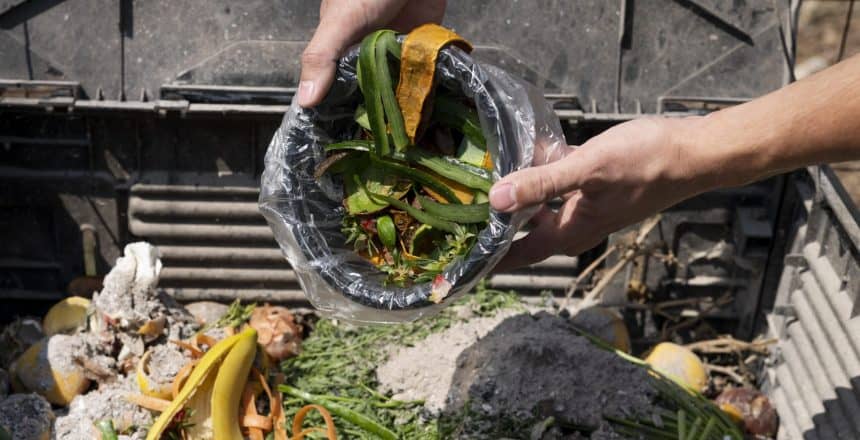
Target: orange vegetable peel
point(418, 56)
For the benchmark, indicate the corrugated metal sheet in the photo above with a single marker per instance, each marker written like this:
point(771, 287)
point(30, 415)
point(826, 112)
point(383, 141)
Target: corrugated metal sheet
point(814, 377)
point(215, 245)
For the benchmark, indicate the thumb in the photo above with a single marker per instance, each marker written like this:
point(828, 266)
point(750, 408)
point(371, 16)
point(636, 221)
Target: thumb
point(341, 25)
point(536, 185)
point(318, 63)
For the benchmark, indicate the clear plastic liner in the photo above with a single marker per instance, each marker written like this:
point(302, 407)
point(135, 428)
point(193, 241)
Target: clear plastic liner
point(305, 213)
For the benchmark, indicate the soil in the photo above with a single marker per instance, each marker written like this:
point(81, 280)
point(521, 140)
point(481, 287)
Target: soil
point(406, 373)
point(108, 402)
point(518, 366)
point(26, 416)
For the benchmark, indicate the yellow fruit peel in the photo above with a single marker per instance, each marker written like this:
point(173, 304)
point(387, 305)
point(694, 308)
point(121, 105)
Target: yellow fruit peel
point(58, 384)
point(464, 194)
point(197, 392)
point(229, 384)
point(146, 385)
point(679, 364)
point(66, 315)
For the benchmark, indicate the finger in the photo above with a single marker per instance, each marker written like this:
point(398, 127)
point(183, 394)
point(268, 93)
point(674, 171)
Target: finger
point(320, 59)
point(341, 25)
point(539, 184)
point(537, 246)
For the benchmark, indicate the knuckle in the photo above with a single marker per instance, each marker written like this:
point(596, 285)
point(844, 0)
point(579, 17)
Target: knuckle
point(596, 175)
point(316, 58)
point(548, 185)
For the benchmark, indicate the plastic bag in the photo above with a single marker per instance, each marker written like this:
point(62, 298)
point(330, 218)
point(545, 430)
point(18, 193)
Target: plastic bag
point(305, 213)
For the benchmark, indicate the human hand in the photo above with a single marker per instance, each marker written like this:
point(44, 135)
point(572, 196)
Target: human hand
point(617, 178)
point(345, 22)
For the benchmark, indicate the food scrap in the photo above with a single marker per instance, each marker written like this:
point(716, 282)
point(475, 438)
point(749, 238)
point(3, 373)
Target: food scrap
point(417, 172)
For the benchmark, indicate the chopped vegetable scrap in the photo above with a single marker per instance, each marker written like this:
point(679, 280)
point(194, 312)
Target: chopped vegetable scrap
point(417, 174)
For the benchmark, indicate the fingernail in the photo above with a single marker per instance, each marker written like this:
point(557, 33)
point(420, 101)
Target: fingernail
point(503, 196)
point(306, 89)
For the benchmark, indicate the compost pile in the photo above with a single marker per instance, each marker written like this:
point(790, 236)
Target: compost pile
point(132, 363)
point(489, 366)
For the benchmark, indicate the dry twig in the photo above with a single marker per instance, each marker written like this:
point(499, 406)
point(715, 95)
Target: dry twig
point(728, 344)
point(632, 251)
point(727, 371)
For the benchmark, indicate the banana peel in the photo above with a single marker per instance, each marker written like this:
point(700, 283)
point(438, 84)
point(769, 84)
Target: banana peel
point(213, 391)
point(229, 385)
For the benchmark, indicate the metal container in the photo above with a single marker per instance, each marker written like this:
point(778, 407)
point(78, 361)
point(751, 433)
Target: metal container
point(148, 120)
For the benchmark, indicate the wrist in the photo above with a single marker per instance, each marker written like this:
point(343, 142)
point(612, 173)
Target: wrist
point(716, 152)
point(690, 161)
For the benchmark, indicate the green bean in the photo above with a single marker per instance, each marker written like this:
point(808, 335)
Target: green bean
point(421, 216)
point(423, 178)
point(386, 91)
point(456, 213)
point(354, 145)
point(453, 169)
point(343, 412)
point(368, 83)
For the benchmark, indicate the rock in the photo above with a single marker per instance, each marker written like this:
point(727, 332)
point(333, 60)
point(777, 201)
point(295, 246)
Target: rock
point(27, 416)
point(17, 337)
point(5, 383)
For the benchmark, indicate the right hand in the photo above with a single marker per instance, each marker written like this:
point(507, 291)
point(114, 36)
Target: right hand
point(345, 22)
point(617, 178)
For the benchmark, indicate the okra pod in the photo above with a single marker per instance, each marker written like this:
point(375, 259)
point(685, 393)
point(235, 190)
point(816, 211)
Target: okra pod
point(387, 232)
